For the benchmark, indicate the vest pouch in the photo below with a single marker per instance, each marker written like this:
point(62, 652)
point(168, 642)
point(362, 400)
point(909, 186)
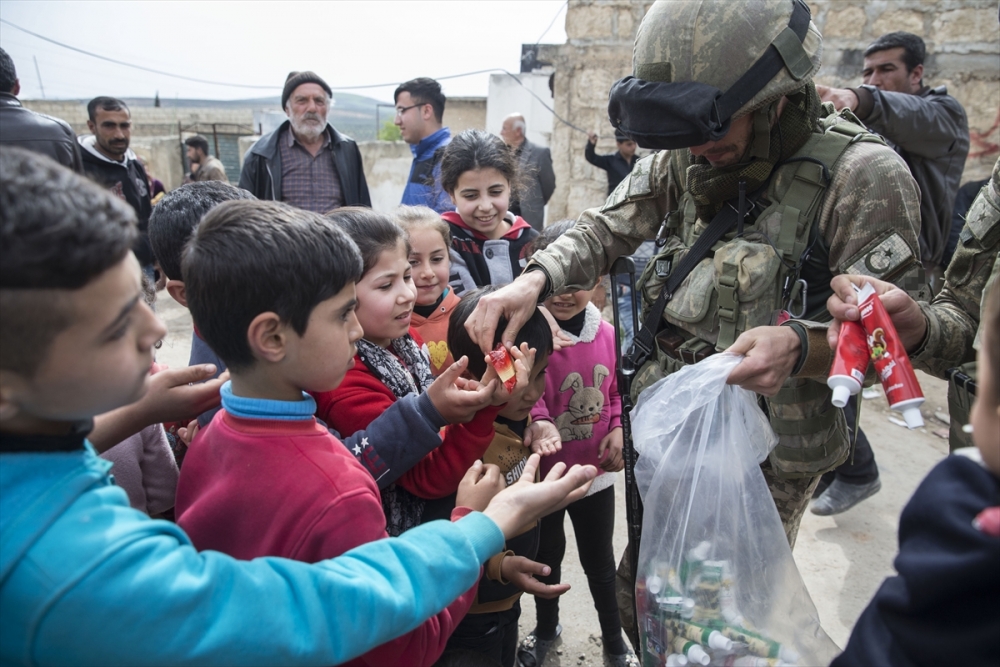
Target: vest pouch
point(659, 366)
point(748, 288)
point(812, 434)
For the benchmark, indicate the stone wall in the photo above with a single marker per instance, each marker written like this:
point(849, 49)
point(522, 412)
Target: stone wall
point(146, 121)
point(465, 113)
point(963, 44)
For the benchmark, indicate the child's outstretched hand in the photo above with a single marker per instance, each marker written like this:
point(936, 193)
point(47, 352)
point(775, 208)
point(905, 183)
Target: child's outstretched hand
point(481, 483)
point(521, 572)
point(559, 337)
point(525, 501)
point(543, 438)
point(524, 359)
point(609, 455)
point(457, 399)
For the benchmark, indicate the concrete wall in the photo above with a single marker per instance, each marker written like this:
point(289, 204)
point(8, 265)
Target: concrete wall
point(150, 121)
point(465, 113)
point(963, 44)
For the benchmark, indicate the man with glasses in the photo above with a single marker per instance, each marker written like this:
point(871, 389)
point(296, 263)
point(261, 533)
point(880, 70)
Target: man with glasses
point(306, 162)
point(419, 110)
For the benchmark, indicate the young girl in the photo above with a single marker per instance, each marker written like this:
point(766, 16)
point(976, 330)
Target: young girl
point(389, 364)
point(429, 242)
point(488, 243)
point(581, 399)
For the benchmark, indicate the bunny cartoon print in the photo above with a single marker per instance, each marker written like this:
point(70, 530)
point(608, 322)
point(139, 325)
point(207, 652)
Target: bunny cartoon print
point(585, 406)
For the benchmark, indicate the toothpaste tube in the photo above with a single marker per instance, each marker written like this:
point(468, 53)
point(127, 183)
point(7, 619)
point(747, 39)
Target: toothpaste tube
point(501, 361)
point(709, 637)
point(676, 606)
point(757, 645)
point(891, 361)
point(676, 660)
point(694, 652)
point(849, 363)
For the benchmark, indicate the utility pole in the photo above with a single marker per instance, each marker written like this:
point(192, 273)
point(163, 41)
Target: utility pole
point(39, 73)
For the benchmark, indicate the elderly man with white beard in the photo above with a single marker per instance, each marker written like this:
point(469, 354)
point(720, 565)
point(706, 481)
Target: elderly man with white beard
point(306, 162)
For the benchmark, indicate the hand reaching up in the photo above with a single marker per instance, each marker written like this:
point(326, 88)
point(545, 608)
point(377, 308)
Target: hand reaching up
point(458, 399)
point(543, 438)
point(481, 483)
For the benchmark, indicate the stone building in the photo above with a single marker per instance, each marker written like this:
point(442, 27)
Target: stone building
point(963, 44)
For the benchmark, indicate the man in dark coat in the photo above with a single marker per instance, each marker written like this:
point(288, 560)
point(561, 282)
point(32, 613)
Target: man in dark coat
point(306, 162)
point(538, 180)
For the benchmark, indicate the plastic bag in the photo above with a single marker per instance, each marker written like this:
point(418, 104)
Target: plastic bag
point(716, 582)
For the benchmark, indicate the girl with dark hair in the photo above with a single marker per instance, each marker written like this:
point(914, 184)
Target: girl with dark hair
point(391, 362)
point(488, 242)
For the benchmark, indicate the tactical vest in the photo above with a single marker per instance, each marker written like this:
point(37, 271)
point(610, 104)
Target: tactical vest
point(754, 280)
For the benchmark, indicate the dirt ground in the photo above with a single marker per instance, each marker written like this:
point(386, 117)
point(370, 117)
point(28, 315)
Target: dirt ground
point(842, 559)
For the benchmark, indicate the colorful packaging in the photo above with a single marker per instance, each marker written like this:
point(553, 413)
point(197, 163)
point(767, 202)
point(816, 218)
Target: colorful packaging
point(849, 363)
point(694, 652)
point(501, 360)
point(889, 356)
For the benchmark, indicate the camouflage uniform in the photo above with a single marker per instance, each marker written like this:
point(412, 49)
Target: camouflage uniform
point(953, 326)
point(868, 217)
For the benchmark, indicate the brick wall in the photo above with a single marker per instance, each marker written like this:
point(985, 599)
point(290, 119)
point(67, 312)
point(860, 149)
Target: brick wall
point(963, 43)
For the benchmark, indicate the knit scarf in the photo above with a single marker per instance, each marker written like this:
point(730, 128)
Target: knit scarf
point(406, 372)
point(711, 187)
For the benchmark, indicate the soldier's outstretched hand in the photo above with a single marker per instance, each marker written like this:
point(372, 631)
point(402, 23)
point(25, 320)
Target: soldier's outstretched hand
point(516, 302)
point(910, 323)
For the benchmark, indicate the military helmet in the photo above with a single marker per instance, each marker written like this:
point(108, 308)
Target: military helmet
point(716, 41)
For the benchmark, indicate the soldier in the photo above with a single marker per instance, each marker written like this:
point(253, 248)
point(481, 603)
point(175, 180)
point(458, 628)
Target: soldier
point(943, 335)
point(795, 193)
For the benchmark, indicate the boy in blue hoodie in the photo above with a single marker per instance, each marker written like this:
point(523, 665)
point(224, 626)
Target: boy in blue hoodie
point(86, 579)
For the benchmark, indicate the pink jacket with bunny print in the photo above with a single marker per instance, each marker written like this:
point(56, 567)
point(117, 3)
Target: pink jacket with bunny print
point(581, 394)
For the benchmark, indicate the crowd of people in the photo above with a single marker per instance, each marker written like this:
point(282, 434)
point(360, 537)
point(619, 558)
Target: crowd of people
point(386, 417)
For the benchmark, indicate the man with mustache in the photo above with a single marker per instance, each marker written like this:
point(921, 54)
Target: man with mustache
point(306, 162)
point(108, 160)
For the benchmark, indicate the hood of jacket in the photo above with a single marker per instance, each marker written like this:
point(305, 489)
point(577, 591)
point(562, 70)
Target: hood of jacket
point(35, 490)
point(89, 145)
point(517, 224)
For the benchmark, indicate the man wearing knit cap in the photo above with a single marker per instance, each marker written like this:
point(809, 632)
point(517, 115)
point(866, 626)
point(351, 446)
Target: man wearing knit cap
point(306, 162)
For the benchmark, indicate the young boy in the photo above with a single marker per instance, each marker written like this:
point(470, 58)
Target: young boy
point(490, 627)
point(264, 478)
point(378, 447)
point(86, 579)
point(941, 609)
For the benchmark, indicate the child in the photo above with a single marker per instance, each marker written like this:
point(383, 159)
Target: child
point(143, 464)
point(490, 627)
point(264, 479)
point(384, 455)
point(86, 579)
point(389, 366)
point(429, 240)
point(581, 398)
point(941, 609)
point(488, 243)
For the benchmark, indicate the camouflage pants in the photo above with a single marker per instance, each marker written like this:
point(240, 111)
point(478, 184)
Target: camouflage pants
point(791, 497)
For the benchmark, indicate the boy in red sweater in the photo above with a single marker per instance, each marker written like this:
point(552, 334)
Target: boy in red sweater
point(264, 478)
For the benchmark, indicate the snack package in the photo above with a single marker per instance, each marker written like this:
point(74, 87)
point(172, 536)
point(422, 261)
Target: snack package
point(503, 363)
point(716, 582)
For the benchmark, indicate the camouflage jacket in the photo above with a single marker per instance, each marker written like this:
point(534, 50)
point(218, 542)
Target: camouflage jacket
point(869, 221)
point(953, 316)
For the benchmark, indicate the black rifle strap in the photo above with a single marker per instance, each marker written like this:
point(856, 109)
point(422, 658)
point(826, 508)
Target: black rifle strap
point(645, 337)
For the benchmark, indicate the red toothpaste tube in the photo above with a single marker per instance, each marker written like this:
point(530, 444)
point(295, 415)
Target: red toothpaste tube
point(849, 363)
point(891, 361)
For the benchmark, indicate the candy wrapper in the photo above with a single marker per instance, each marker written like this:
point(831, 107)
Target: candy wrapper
point(502, 362)
point(716, 583)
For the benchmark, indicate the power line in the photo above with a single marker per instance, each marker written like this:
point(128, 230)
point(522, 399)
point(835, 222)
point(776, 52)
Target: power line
point(552, 22)
point(133, 65)
point(256, 87)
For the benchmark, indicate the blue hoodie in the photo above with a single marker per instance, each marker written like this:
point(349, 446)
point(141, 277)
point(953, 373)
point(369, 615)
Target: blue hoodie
point(423, 188)
point(86, 579)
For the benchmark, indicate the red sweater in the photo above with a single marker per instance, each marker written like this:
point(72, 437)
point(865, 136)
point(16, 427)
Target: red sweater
point(362, 397)
point(288, 488)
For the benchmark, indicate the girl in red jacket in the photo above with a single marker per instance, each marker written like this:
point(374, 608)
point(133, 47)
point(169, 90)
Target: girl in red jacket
point(390, 364)
point(429, 242)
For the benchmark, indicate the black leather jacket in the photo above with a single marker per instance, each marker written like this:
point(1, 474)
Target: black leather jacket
point(37, 132)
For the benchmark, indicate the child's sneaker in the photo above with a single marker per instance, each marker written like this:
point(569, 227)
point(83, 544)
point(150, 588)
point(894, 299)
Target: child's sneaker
point(531, 651)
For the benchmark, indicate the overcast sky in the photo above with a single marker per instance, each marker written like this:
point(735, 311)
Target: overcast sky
point(258, 43)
